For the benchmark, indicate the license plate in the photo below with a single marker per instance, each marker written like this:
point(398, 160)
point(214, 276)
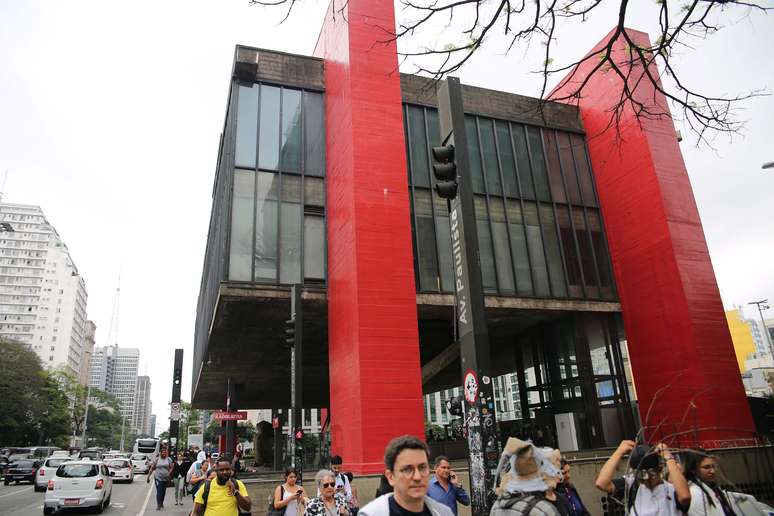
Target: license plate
point(72, 501)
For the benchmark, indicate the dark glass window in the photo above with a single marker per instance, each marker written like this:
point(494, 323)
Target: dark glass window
point(600, 250)
point(488, 275)
point(502, 248)
point(290, 230)
point(536, 254)
point(554, 169)
point(491, 170)
point(567, 238)
point(290, 156)
point(540, 175)
point(247, 127)
point(314, 247)
point(265, 261)
point(241, 245)
point(418, 146)
point(476, 174)
point(426, 243)
point(584, 171)
point(443, 234)
point(552, 251)
point(519, 137)
point(314, 128)
point(586, 253)
point(507, 163)
point(519, 248)
point(268, 142)
point(568, 168)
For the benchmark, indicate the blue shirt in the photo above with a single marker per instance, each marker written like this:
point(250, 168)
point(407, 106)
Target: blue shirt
point(448, 497)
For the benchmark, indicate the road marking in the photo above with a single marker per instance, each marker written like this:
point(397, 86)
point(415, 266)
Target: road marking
point(147, 498)
point(22, 490)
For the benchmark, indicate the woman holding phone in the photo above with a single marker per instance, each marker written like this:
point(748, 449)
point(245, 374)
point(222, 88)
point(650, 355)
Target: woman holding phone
point(290, 496)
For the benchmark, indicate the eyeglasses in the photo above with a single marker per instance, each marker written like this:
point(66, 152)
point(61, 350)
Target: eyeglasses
point(409, 471)
point(329, 484)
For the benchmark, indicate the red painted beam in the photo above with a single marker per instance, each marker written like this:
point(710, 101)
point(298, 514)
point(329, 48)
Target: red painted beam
point(373, 341)
point(682, 357)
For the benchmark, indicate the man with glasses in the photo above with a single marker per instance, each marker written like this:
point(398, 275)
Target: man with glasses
point(407, 468)
point(644, 491)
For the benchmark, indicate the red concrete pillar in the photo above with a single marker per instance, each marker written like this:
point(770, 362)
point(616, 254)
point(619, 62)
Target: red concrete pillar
point(375, 374)
point(681, 352)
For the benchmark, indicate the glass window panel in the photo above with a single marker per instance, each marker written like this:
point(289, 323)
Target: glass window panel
point(568, 168)
point(433, 129)
point(314, 191)
point(519, 248)
point(247, 127)
point(290, 230)
point(476, 174)
point(491, 170)
point(502, 247)
point(552, 249)
point(291, 188)
point(584, 171)
point(314, 127)
point(314, 247)
point(535, 245)
point(290, 157)
point(568, 246)
point(268, 142)
point(240, 266)
point(524, 169)
point(586, 254)
point(418, 146)
point(266, 227)
point(538, 164)
point(445, 258)
point(485, 244)
point(425, 234)
point(600, 250)
point(554, 170)
point(506, 159)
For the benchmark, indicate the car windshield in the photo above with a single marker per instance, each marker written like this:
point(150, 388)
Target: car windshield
point(24, 464)
point(52, 463)
point(77, 470)
point(139, 456)
point(117, 463)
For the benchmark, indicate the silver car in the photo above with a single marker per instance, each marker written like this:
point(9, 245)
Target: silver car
point(120, 469)
point(79, 484)
point(46, 472)
point(140, 462)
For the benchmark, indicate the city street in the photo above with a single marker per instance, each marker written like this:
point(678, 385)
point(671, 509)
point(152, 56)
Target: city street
point(137, 498)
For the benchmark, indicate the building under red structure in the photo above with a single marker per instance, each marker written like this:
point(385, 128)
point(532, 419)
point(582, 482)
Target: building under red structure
point(324, 179)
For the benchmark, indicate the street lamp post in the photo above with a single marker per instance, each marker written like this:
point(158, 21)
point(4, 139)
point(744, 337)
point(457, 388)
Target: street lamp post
point(762, 305)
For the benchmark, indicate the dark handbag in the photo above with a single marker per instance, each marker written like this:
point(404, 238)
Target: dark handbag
point(271, 510)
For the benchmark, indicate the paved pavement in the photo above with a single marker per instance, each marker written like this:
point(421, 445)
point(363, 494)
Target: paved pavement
point(135, 499)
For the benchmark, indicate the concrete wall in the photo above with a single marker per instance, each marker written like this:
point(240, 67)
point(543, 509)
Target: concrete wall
point(749, 470)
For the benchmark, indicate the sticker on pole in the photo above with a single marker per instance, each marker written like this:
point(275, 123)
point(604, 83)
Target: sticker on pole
point(471, 386)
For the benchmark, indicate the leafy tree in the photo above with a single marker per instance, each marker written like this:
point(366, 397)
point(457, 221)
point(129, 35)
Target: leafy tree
point(103, 427)
point(434, 432)
point(188, 417)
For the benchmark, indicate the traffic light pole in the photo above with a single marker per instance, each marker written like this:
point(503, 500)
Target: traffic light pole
point(174, 420)
point(296, 368)
point(479, 414)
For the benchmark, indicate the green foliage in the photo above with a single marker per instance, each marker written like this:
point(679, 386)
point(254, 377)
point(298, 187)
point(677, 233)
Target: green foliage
point(434, 432)
point(103, 428)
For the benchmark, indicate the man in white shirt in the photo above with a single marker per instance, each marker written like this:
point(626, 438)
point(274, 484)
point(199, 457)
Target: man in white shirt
point(342, 482)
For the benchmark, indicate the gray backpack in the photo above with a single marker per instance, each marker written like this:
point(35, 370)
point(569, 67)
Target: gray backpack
point(523, 504)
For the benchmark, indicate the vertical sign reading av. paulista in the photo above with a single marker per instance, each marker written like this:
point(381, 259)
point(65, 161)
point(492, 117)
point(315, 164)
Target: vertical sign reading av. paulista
point(479, 415)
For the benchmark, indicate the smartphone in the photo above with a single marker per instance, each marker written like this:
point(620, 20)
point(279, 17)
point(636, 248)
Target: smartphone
point(299, 492)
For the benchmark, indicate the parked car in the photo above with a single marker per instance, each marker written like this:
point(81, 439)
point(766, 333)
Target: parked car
point(81, 483)
point(140, 462)
point(22, 471)
point(120, 469)
point(46, 471)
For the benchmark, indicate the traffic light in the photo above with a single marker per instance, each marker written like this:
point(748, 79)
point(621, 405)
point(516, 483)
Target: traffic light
point(177, 376)
point(299, 434)
point(445, 171)
point(454, 405)
point(290, 331)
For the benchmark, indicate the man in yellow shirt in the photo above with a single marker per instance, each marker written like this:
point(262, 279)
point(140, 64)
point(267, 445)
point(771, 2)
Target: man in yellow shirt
point(223, 495)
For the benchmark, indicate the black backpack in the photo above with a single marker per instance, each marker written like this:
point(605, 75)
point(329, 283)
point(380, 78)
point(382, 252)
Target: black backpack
point(522, 504)
point(206, 494)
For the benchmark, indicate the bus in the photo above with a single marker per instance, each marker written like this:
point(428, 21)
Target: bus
point(147, 445)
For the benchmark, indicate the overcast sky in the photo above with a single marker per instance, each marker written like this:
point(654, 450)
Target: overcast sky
point(110, 114)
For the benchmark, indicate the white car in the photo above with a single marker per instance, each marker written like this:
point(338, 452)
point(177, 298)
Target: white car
point(79, 484)
point(60, 454)
point(141, 462)
point(120, 469)
point(46, 472)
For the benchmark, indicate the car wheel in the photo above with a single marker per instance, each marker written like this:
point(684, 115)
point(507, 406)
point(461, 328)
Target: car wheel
point(7, 482)
point(48, 510)
point(100, 507)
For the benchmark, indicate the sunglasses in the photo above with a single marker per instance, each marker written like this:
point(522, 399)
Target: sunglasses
point(329, 484)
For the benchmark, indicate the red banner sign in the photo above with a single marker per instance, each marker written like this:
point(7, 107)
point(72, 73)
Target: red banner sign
point(229, 416)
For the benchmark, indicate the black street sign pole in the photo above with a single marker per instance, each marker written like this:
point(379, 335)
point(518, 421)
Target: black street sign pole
point(296, 368)
point(174, 421)
point(479, 414)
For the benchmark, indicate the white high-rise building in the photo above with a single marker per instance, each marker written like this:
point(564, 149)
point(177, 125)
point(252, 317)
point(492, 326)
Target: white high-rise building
point(142, 407)
point(114, 370)
point(42, 295)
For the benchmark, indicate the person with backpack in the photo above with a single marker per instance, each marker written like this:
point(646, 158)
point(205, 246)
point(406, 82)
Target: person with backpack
point(645, 492)
point(527, 476)
point(223, 495)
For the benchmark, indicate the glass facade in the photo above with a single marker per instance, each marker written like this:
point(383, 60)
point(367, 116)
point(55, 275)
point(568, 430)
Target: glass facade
point(278, 198)
point(539, 226)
